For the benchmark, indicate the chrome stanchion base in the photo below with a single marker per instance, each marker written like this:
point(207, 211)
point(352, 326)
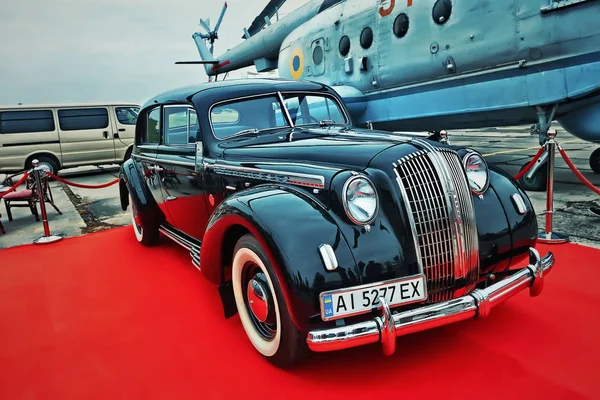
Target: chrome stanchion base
point(47, 239)
point(553, 238)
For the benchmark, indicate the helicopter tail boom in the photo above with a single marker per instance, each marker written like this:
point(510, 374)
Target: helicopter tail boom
point(262, 48)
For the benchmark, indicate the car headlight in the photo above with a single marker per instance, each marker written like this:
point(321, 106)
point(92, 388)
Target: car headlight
point(478, 174)
point(360, 200)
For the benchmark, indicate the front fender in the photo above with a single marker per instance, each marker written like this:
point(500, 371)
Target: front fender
point(131, 181)
point(523, 228)
point(290, 227)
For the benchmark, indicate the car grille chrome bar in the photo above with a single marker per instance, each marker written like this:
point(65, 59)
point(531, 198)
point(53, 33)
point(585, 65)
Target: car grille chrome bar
point(442, 219)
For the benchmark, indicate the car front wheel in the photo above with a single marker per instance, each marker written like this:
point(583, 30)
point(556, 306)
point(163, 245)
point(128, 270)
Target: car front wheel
point(148, 236)
point(261, 306)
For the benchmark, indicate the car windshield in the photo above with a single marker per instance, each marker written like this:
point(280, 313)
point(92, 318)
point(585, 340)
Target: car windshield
point(256, 114)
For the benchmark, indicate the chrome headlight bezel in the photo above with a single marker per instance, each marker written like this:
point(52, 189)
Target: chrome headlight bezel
point(345, 203)
point(466, 157)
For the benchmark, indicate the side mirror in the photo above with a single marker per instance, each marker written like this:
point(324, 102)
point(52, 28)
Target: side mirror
point(199, 157)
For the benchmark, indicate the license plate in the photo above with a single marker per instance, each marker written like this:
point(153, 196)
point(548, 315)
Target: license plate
point(362, 299)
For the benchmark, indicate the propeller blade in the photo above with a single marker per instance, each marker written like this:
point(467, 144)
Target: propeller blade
point(197, 62)
point(221, 17)
point(205, 25)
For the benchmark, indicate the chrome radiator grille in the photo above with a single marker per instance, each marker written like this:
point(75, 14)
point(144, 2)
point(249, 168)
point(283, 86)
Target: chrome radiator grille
point(438, 201)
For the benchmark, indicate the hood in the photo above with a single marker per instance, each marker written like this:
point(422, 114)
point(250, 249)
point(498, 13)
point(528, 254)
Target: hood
point(333, 147)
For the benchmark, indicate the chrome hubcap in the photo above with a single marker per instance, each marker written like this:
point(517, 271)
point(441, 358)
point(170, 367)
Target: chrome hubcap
point(258, 300)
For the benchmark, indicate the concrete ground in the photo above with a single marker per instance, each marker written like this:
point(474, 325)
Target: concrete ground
point(90, 210)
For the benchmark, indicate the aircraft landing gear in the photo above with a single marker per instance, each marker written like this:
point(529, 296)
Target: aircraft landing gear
point(595, 161)
point(536, 179)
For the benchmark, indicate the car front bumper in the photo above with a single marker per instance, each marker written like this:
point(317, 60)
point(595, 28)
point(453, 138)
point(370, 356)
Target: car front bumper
point(388, 326)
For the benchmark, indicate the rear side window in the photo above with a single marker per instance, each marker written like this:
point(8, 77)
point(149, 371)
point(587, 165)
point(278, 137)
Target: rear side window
point(79, 119)
point(26, 121)
point(151, 134)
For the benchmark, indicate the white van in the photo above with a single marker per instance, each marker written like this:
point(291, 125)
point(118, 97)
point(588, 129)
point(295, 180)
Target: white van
point(66, 135)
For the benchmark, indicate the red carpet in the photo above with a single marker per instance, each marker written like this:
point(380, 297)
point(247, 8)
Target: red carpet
point(101, 317)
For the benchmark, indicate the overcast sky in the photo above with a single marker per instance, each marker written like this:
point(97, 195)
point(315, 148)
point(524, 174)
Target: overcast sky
point(104, 50)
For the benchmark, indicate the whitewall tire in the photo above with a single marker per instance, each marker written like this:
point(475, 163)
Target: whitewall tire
point(144, 235)
point(261, 306)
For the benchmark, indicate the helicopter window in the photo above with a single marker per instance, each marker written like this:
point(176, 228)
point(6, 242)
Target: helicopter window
point(366, 38)
point(318, 55)
point(441, 11)
point(401, 25)
point(344, 45)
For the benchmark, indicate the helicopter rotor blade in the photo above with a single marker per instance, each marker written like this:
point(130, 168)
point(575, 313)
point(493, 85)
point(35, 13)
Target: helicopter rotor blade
point(205, 25)
point(259, 22)
point(196, 62)
point(221, 17)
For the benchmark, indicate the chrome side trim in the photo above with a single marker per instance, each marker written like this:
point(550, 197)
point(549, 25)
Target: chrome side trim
point(519, 203)
point(172, 162)
point(475, 305)
point(194, 248)
point(294, 178)
point(146, 158)
point(328, 256)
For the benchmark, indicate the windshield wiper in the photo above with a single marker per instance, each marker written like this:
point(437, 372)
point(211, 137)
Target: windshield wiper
point(326, 122)
point(245, 131)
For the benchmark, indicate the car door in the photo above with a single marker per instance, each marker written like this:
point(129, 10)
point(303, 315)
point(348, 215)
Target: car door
point(183, 188)
point(86, 136)
point(125, 118)
point(144, 154)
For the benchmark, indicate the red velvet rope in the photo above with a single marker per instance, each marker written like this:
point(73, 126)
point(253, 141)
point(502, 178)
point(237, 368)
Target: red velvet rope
point(79, 185)
point(576, 171)
point(530, 165)
point(16, 185)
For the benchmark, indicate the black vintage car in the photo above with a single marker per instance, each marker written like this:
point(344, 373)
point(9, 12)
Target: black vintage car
point(321, 235)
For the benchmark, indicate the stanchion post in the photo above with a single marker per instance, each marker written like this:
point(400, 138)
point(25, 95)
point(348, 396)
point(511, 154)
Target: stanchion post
point(47, 238)
point(550, 237)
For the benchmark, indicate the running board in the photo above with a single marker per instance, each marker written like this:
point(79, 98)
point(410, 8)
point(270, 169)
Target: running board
point(184, 241)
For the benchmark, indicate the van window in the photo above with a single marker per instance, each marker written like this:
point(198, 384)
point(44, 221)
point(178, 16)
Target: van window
point(127, 115)
point(26, 121)
point(82, 119)
point(152, 131)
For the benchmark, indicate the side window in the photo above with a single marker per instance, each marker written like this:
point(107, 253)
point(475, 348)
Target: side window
point(152, 131)
point(79, 119)
point(181, 125)
point(305, 110)
point(127, 115)
point(27, 121)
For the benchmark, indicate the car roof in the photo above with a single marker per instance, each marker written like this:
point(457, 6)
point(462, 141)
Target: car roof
point(185, 93)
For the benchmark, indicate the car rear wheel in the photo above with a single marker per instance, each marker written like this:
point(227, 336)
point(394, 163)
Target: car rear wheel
point(148, 236)
point(261, 306)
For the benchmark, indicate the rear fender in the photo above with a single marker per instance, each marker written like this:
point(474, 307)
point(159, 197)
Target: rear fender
point(290, 228)
point(131, 182)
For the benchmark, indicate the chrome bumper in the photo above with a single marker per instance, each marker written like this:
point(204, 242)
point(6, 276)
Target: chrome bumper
point(387, 327)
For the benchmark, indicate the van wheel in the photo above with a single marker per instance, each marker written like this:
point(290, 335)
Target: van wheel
point(261, 306)
point(148, 236)
point(44, 161)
